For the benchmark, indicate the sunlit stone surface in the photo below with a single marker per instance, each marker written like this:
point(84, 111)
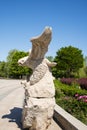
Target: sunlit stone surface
point(39, 100)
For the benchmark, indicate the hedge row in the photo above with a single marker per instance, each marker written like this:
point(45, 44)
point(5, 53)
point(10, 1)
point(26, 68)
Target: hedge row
point(69, 90)
point(82, 82)
point(72, 99)
point(76, 108)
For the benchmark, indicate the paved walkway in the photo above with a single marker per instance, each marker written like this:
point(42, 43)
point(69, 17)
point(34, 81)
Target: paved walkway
point(11, 100)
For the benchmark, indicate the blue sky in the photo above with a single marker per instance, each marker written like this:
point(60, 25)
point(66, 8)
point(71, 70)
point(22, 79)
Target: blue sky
point(20, 20)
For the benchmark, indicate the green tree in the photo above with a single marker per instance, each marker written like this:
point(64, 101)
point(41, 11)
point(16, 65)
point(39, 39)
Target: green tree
point(3, 71)
point(13, 69)
point(69, 60)
point(85, 70)
point(85, 61)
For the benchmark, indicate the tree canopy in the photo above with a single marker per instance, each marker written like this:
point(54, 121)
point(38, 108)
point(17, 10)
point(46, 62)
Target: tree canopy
point(69, 60)
point(11, 69)
point(3, 71)
point(14, 70)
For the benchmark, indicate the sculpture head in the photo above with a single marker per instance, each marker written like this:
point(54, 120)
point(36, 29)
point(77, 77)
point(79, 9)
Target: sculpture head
point(39, 48)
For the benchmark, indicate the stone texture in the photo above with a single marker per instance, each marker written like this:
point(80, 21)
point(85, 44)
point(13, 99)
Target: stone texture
point(43, 88)
point(39, 100)
point(37, 114)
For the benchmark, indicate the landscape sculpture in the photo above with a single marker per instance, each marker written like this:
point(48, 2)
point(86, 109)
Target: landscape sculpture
point(39, 100)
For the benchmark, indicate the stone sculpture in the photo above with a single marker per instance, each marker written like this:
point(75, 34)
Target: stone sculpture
point(39, 100)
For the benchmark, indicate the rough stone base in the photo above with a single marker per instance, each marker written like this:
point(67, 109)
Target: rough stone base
point(38, 113)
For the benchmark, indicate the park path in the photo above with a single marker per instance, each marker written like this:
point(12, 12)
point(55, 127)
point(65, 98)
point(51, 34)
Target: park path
point(11, 101)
